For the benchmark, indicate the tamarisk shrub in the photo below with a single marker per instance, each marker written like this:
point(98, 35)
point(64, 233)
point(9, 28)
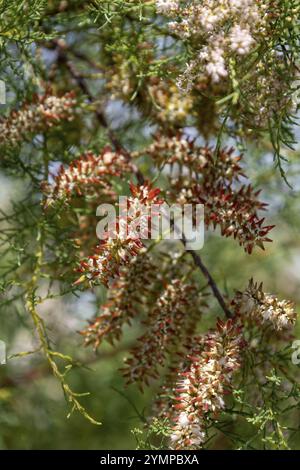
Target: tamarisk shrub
point(165, 102)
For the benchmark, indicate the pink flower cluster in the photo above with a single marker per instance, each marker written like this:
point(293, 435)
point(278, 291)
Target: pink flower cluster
point(87, 175)
point(168, 325)
point(203, 384)
point(199, 176)
point(263, 308)
point(40, 114)
point(123, 243)
point(126, 296)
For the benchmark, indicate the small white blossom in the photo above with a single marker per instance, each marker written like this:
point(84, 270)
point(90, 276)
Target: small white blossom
point(241, 40)
point(205, 23)
point(201, 388)
point(166, 6)
point(216, 67)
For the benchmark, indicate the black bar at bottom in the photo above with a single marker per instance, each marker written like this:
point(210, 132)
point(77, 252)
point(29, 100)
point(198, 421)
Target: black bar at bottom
point(133, 459)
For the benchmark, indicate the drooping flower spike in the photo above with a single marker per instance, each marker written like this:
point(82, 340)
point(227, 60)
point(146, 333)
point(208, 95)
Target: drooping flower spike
point(171, 320)
point(124, 242)
point(87, 175)
point(264, 308)
point(202, 385)
point(42, 113)
point(197, 176)
point(126, 296)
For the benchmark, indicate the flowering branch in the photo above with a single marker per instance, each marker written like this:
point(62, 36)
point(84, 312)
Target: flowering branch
point(43, 112)
point(216, 184)
point(170, 322)
point(86, 175)
point(123, 242)
point(263, 308)
point(126, 296)
point(202, 385)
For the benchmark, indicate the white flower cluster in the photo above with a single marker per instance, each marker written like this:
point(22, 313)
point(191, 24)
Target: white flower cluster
point(119, 247)
point(241, 40)
point(201, 388)
point(222, 28)
point(86, 175)
point(265, 308)
point(42, 113)
point(215, 66)
point(166, 6)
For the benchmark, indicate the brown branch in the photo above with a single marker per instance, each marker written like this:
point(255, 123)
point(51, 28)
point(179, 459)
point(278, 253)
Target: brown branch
point(63, 57)
point(199, 263)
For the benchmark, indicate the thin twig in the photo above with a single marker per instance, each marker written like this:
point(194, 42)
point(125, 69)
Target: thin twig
point(199, 263)
point(62, 56)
